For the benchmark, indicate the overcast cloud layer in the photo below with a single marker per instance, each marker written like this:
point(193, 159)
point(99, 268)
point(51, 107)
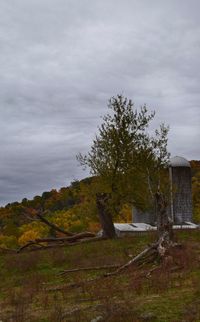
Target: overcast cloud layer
point(60, 62)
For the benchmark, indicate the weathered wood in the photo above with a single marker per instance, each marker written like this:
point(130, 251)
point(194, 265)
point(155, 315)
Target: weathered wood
point(85, 234)
point(164, 222)
point(132, 261)
point(87, 240)
point(80, 269)
point(161, 247)
point(30, 243)
point(54, 243)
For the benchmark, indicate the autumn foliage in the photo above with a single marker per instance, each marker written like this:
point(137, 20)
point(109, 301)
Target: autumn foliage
point(72, 208)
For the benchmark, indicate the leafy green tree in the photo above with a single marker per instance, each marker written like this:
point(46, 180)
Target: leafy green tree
point(126, 160)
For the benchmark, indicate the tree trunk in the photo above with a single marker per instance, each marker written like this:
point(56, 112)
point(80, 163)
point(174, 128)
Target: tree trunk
point(105, 215)
point(164, 222)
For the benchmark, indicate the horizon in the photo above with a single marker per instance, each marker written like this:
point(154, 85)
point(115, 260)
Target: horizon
point(58, 188)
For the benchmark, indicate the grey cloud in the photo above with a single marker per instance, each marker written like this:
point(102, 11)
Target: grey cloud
point(62, 60)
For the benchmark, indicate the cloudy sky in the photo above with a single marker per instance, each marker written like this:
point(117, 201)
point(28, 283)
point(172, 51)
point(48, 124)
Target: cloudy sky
point(60, 62)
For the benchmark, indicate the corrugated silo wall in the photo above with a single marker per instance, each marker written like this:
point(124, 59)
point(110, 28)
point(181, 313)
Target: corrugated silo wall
point(143, 217)
point(182, 195)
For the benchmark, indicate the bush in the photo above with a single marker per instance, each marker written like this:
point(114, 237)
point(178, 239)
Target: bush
point(8, 241)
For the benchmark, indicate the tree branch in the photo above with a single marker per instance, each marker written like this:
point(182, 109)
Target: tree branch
point(87, 269)
point(53, 226)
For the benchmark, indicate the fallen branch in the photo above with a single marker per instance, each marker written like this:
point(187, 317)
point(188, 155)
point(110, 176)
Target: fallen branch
point(132, 261)
point(148, 275)
point(86, 234)
point(87, 269)
point(39, 247)
point(30, 243)
point(56, 242)
point(53, 226)
point(158, 249)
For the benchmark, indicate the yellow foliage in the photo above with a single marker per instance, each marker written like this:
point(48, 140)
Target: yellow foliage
point(72, 219)
point(63, 219)
point(35, 226)
point(8, 241)
point(196, 196)
point(94, 227)
point(32, 231)
point(125, 214)
point(27, 236)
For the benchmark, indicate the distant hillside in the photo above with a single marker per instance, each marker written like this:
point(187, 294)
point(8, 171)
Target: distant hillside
point(69, 208)
point(195, 166)
point(72, 208)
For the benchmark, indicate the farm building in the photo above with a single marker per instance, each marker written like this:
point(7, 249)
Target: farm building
point(181, 190)
point(180, 208)
point(141, 228)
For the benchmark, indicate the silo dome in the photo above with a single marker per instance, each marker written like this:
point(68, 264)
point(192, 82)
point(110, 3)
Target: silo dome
point(179, 162)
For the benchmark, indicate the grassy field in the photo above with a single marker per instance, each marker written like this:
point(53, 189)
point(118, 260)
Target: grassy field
point(31, 288)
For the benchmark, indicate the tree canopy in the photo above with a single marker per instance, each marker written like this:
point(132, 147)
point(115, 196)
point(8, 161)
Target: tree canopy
point(125, 157)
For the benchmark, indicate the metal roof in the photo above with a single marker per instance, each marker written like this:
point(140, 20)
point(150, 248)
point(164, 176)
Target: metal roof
point(179, 162)
point(141, 227)
point(133, 227)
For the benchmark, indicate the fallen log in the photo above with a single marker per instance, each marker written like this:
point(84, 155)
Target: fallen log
point(56, 242)
point(132, 261)
point(41, 247)
point(85, 234)
point(92, 268)
point(158, 249)
point(30, 243)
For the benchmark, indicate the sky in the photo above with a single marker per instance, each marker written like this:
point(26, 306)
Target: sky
point(60, 62)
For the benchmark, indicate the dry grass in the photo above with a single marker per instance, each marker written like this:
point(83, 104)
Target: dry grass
point(32, 290)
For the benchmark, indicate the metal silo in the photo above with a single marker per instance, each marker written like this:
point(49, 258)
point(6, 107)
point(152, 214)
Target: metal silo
point(147, 217)
point(181, 190)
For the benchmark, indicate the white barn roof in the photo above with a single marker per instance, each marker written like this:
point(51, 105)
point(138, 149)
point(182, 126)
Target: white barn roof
point(133, 227)
point(139, 228)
